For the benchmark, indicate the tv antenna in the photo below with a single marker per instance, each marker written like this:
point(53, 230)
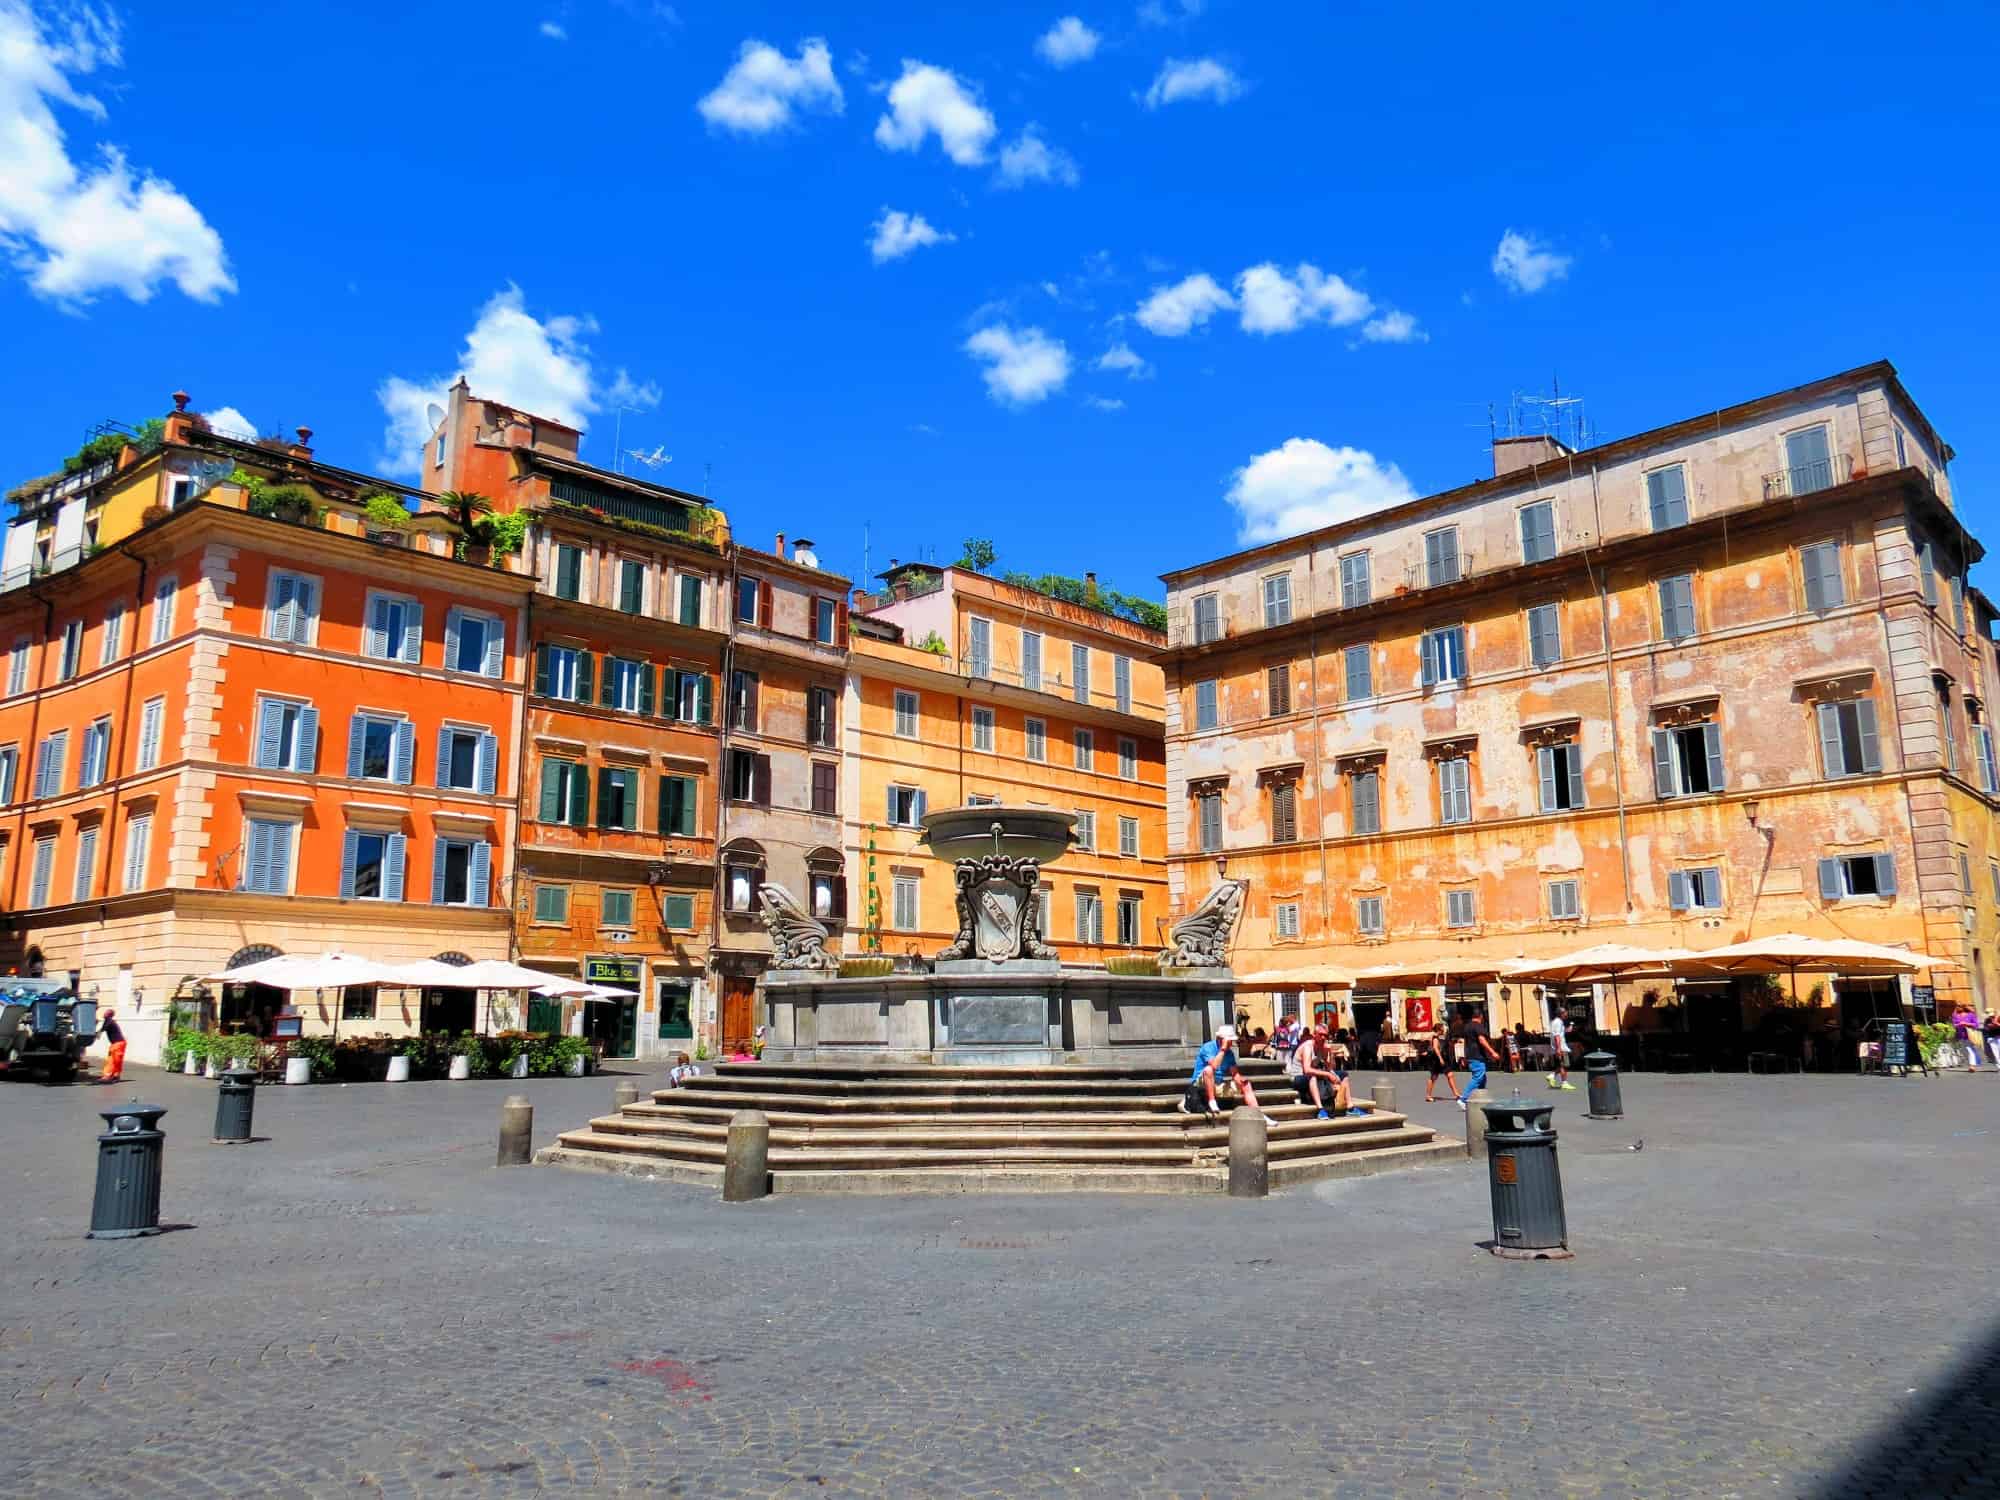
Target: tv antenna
point(651, 460)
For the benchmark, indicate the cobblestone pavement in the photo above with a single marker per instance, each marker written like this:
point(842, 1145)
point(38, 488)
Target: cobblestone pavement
point(1769, 1299)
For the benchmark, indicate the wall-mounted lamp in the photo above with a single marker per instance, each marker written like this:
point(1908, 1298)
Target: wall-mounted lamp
point(1221, 867)
point(1750, 811)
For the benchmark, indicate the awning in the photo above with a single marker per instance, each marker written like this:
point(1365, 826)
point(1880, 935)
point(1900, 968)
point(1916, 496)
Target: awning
point(1793, 953)
point(1314, 976)
point(325, 971)
point(1441, 968)
point(1608, 962)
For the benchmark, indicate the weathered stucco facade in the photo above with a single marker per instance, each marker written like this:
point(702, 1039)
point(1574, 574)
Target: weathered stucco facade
point(1718, 680)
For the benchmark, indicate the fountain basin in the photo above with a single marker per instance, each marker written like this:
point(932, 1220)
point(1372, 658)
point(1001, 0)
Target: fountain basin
point(1037, 833)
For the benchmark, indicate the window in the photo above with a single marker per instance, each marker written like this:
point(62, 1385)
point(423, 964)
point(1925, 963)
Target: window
point(138, 842)
point(1089, 917)
point(826, 622)
point(1208, 820)
point(1128, 758)
point(631, 587)
point(677, 915)
point(1444, 655)
point(690, 591)
point(678, 805)
point(1278, 691)
point(1808, 461)
point(826, 888)
point(1205, 714)
point(1927, 569)
point(979, 647)
point(1284, 812)
point(72, 651)
point(617, 797)
point(743, 701)
point(1031, 661)
point(17, 667)
point(1037, 736)
point(1454, 789)
point(552, 903)
point(1559, 769)
point(1461, 909)
point(1676, 607)
point(906, 714)
point(1947, 731)
point(1086, 830)
point(287, 736)
point(467, 759)
point(1441, 556)
point(1848, 745)
point(371, 866)
point(904, 915)
point(1278, 599)
point(163, 611)
point(1207, 619)
point(1544, 635)
point(1538, 531)
point(10, 770)
point(1563, 905)
point(114, 633)
point(906, 806)
point(1079, 673)
point(1129, 935)
point(437, 454)
point(1982, 744)
point(1695, 890)
point(1902, 453)
point(395, 629)
point(569, 571)
point(1993, 871)
point(96, 754)
point(692, 696)
point(1825, 588)
point(380, 749)
point(1359, 663)
point(42, 871)
point(267, 857)
point(49, 761)
point(565, 792)
point(1687, 761)
point(1121, 682)
point(86, 863)
point(1085, 746)
point(357, 1002)
point(981, 799)
point(1666, 497)
point(615, 909)
point(152, 719)
point(474, 643)
point(1364, 794)
point(1356, 588)
point(1285, 919)
point(982, 729)
point(461, 872)
point(819, 715)
point(1128, 838)
point(825, 788)
point(1368, 916)
point(749, 598)
point(564, 672)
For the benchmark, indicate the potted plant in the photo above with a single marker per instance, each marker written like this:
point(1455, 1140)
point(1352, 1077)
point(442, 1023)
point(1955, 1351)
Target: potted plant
point(399, 1060)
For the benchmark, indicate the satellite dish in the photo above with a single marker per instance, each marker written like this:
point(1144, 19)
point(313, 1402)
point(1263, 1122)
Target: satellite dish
point(434, 414)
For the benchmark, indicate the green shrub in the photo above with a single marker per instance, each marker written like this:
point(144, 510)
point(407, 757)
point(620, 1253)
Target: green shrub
point(1931, 1035)
point(385, 509)
point(320, 1050)
point(866, 968)
point(1140, 965)
point(504, 534)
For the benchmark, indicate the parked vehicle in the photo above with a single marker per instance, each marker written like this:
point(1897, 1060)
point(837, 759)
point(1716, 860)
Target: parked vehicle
point(45, 1029)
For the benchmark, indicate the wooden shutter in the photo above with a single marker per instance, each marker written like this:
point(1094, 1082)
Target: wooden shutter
point(646, 675)
point(1430, 658)
point(306, 740)
point(1575, 759)
point(270, 728)
point(392, 867)
point(451, 619)
point(1831, 887)
point(837, 885)
point(764, 603)
point(542, 671)
point(1665, 784)
point(406, 752)
point(1830, 757)
point(631, 586)
point(604, 774)
point(552, 808)
point(760, 780)
point(496, 648)
point(608, 689)
point(1367, 795)
point(586, 669)
point(1871, 744)
point(1885, 874)
point(479, 875)
point(350, 853)
point(357, 730)
point(1284, 813)
point(437, 872)
point(840, 640)
point(444, 757)
point(489, 763)
point(704, 700)
point(1711, 738)
point(1679, 896)
point(579, 796)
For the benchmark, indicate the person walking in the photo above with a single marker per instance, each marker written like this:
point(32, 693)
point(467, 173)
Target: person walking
point(1478, 1052)
point(1215, 1066)
point(1559, 1051)
point(1965, 1027)
point(1992, 1035)
point(1439, 1058)
point(114, 1059)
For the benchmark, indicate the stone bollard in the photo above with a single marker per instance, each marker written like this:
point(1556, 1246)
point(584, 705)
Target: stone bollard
point(746, 1158)
point(1249, 1154)
point(1475, 1123)
point(626, 1092)
point(1384, 1097)
point(517, 1131)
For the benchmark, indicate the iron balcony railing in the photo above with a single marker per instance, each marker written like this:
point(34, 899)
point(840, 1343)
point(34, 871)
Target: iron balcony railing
point(1806, 478)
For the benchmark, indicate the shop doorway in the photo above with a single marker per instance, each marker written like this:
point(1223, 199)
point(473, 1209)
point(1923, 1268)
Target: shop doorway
point(612, 1027)
point(739, 1013)
point(250, 1008)
point(449, 1010)
point(675, 1000)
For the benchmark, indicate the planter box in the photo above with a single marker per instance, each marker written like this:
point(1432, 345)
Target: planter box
point(399, 1069)
point(461, 1068)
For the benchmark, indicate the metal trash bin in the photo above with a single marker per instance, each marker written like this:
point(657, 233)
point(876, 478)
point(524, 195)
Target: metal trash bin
point(235, 1103)
point(1528, 1218)
point(129, 1153)
point(1601, 1075)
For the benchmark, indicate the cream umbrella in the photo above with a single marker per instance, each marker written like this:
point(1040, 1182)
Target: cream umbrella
point(1609, 963)
point(1309, 976)
point(1450, 971)
point(1794, 953)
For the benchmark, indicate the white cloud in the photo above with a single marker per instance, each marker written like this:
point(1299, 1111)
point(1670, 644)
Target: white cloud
point(1031, 159)
point(539, 365)
point(1273, 302)
point(931, 101)
point(230, 422)
point(1104, 403)
point(1023, 365)
point(1196, 78)
point(1174, 310)
point(1526, 264)
point(1067, 43)
point(1393, 327)
point(1119, 359)
point(763, 89)
point(554, 31)
point(75, 232)
point(1156, 13)
point(634, 395)
point(1303, 484)
point(898, 234)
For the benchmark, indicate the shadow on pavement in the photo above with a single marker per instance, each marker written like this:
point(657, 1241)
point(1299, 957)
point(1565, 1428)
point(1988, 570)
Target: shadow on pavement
point(1942, 1442)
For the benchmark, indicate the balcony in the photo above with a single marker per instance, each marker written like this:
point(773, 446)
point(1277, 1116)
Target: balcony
point(1808, 478)
point(1422, 575)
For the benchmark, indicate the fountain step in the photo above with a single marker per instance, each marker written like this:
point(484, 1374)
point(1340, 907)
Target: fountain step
point(996, 1073)
point(666, 1108)
point(1287, 1137)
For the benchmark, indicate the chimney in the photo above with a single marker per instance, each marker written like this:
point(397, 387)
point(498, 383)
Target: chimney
point(300, 448)
point(178, 421)
point(803, 554)
point(1513, 454)
point(520, 432)
point(779, 548)
point(1091, 579)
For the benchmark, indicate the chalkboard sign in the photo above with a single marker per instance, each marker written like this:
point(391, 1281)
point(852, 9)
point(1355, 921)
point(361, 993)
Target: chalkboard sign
point(1895, 1044)
point(1923, 1000)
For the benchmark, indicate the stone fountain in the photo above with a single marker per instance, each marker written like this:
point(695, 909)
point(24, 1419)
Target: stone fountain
point(998, 993)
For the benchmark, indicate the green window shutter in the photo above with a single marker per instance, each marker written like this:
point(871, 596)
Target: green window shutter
point(646, 675)
point(541, 671)
point(704, 699)
point(579, 796)
point(552, 808)
point(586, 668)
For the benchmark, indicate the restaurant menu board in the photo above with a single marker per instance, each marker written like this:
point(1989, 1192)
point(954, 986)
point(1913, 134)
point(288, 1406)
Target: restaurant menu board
point(1895, 1044)
point(1923, 1000)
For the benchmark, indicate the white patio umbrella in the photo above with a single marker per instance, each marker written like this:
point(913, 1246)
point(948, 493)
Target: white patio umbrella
point(498, 974)
point(1609, 963)
point(320, 972)
point(1793, 953)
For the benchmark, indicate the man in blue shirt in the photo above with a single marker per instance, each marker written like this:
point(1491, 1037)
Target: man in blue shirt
point(1215, 1065)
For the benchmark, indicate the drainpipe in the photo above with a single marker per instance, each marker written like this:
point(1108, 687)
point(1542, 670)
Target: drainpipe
point(1319, 778)
point(114, 773)
point(1611, 699)
point(722, 702)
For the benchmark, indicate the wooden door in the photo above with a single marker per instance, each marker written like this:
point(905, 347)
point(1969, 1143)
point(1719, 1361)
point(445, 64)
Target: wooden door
point(739, 1013)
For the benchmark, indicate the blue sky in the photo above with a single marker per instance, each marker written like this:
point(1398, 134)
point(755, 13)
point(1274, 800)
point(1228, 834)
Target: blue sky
point(1343, 230)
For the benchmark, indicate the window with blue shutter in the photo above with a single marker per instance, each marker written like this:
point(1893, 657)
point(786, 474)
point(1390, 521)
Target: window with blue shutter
point(86, 862)
point(1848, 742)
point(1676, 607)
point(1538, 531)
point(1356, 587)
point(1687, 761)
point(267, 864)
point(1544, 635)
point(1359, 663)
point(1441, 556)
point(1666, 497)
point(1206, 715)
point(1454, 790)
point(1559, 769)
point(1819, 564)
point(1365, 795)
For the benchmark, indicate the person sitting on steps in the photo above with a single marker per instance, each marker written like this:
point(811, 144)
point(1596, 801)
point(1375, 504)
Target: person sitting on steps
point(1215, 1066)
point(1320, 1081)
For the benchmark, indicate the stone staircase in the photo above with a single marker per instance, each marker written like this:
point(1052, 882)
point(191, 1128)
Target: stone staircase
point(965, 1129)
